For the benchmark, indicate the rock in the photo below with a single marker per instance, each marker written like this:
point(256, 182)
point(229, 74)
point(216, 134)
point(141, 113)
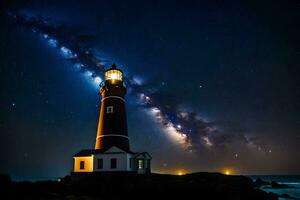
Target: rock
point(258, 183)
point(276, 185)
point(4, 179)
point(134, 186)
point(287, 196)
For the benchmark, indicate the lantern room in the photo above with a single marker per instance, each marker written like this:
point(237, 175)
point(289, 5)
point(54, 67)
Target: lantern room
point(113, 74)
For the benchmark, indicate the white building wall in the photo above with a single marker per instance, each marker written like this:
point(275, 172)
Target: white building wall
point(129, 156)
point(122, 161)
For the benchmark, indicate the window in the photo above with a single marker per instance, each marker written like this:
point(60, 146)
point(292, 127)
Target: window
point(141, 164)
point(130, 162)
point(109, 109)
point(100, 163)
point(113, 163)
point(81, 164)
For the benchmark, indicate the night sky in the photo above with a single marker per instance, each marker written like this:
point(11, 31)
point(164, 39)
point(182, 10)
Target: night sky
point(212, 86)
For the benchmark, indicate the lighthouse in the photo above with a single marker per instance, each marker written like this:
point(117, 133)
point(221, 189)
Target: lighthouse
point(112, 151)
point(112, 126)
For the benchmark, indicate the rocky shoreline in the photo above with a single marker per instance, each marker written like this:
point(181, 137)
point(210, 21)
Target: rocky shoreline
point(274, 185)
point(121, 185)
point(259, 183)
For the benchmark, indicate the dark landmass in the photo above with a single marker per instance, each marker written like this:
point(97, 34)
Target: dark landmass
point(134, 186)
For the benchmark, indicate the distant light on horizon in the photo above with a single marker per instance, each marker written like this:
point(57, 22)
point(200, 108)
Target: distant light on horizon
point(228, 171)
point(180, 172)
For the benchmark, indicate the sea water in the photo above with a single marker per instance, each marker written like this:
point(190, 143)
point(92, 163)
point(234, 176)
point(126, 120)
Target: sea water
point(290, 180)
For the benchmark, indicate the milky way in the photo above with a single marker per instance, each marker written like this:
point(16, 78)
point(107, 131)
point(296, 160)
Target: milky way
point(183, 126)
point(211, 85)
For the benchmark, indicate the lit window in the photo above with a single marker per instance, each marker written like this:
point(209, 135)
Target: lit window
point(109, 109)
point(113, 163)
point(81, 164)
point(100, 163)
point(141, 164)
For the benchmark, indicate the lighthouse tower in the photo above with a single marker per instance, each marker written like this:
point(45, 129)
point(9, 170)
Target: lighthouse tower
point(112, 126)
point(112, 151)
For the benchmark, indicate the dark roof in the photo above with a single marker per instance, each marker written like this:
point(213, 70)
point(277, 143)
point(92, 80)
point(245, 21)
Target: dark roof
point(143, 154)
point(114, 66)
point(88, 152)
point(85, 152)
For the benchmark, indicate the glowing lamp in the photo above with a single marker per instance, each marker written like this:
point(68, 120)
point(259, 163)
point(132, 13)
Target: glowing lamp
point(113, 74)
point(227, 171)
point(180, 172)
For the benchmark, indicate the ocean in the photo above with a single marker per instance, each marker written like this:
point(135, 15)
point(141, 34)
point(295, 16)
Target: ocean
point(291, 180)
